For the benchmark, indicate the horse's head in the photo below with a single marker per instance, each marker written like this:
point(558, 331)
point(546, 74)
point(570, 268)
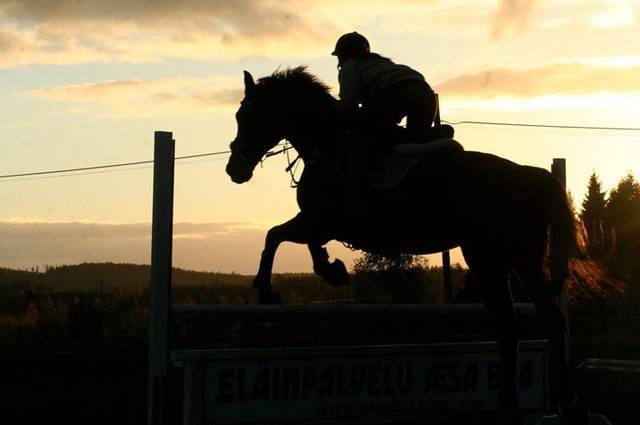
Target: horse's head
point(257, 132)
point(291, 104)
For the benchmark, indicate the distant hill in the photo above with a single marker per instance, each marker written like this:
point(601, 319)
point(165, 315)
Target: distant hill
point(11, 276)
point(91, 275)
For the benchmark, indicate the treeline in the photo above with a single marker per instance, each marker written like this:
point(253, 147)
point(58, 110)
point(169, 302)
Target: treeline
point(611, 221)
point(83, 303)
point(111, 275)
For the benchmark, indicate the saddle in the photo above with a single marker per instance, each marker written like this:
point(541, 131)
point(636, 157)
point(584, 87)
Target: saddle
point(404, 157)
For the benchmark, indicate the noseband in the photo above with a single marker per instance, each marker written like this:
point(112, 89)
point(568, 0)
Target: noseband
point(243, 159)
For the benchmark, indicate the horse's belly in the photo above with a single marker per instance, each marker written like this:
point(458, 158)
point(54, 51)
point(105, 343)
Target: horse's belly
point(404, 236)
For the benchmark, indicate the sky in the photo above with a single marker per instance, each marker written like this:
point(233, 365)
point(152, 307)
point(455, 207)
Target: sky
point(87, 82)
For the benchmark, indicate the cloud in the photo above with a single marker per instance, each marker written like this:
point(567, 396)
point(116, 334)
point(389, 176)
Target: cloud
point(253, 16)
point(250, 18)
point(202, 95)
point(9, 41)
point(136, 97)
point(617, 14)
point(71, 31)
point(512, 16)
point(71, 231)
point(80, 31)
point(556, 79)
point(224, 247)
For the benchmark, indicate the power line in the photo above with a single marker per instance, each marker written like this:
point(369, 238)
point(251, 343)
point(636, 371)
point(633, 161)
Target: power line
point(492, 123)
point(100, 167)
point(572, 127)
point(71, 170)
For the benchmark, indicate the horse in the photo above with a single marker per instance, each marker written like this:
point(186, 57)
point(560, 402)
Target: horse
point(506, 218)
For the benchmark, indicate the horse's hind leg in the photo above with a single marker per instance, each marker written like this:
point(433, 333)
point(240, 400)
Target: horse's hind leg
point(494, 284)
point(555, 324)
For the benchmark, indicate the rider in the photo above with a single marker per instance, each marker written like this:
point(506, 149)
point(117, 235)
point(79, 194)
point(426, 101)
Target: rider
point(387, 92)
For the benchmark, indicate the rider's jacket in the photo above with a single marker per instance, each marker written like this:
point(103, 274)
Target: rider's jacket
point(368, 81)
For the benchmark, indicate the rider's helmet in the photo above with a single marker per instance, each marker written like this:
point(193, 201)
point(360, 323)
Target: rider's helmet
point(351, 45)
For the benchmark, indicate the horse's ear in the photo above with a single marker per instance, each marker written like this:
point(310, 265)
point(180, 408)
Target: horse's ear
point(249, 84)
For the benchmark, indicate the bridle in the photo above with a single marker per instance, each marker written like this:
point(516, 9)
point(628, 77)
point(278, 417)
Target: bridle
point(290, 163)
point(285, 149)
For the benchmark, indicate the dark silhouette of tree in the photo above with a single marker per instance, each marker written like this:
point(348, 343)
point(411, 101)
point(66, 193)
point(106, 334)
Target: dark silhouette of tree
point(377, 263)
point(398, 279)
point(623, 213)
point(592, 215)
point(572, 203)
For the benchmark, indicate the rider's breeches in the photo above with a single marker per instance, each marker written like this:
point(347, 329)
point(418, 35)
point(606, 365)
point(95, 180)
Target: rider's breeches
point(414, 100)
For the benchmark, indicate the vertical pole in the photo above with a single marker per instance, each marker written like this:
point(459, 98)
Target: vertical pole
point(559, 171)
point(446, 256)
point(161, 246)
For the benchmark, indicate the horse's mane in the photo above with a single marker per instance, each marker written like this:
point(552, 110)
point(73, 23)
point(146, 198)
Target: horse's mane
point(296, 83)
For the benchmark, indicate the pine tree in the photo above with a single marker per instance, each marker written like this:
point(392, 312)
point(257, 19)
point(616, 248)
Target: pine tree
point(623, 209)
point(623, 213)
point(625, 194)
point(593, 212)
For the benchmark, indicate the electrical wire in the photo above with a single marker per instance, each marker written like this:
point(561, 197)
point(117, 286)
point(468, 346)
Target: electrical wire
point(571, 127)
point(272, 153)
point(101, 167)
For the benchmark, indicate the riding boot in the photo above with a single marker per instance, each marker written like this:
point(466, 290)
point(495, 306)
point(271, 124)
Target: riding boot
point(419, 134)
point(357, 175)
point(354, 185)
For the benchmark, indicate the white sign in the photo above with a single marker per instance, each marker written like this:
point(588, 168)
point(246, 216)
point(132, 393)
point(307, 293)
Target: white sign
point(354, 382)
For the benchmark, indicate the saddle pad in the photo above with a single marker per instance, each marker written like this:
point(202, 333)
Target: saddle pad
point(404, 157)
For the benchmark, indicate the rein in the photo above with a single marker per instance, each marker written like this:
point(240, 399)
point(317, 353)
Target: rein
point(291, 164)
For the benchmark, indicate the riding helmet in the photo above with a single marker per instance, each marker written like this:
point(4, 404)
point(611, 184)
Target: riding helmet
point(351, 45)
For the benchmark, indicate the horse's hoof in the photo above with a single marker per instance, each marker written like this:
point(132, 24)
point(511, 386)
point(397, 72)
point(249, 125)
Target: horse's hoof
point(339, 273)
point(267, 296)
point(335, 273)
point(262, 283)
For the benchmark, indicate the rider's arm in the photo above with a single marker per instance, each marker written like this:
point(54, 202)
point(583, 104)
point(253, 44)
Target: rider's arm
point(348, 79)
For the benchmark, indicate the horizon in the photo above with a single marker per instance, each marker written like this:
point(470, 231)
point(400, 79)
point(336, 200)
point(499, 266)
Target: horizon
point(75, 96)
point(47, 268)
point(129, 243)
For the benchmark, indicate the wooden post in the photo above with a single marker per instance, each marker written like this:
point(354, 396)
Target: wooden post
point(161, 246)
point(559, 170)
point(446, 256)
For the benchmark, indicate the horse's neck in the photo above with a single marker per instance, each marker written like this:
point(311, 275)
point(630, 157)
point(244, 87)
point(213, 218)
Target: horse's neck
point(310, 138)
point(310, 144)
point(302, 145)
point(309, 123)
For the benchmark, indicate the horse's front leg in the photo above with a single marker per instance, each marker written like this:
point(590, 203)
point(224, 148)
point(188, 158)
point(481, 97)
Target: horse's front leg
point(294, 230)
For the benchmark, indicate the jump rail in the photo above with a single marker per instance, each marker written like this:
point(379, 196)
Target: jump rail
point(334, 312)
point(625, 367)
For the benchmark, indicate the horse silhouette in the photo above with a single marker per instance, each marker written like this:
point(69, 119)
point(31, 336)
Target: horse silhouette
point(507, 218)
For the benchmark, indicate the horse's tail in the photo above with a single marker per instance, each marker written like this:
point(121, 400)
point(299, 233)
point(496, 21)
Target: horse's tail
point(568, 254)
point(563, 242)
